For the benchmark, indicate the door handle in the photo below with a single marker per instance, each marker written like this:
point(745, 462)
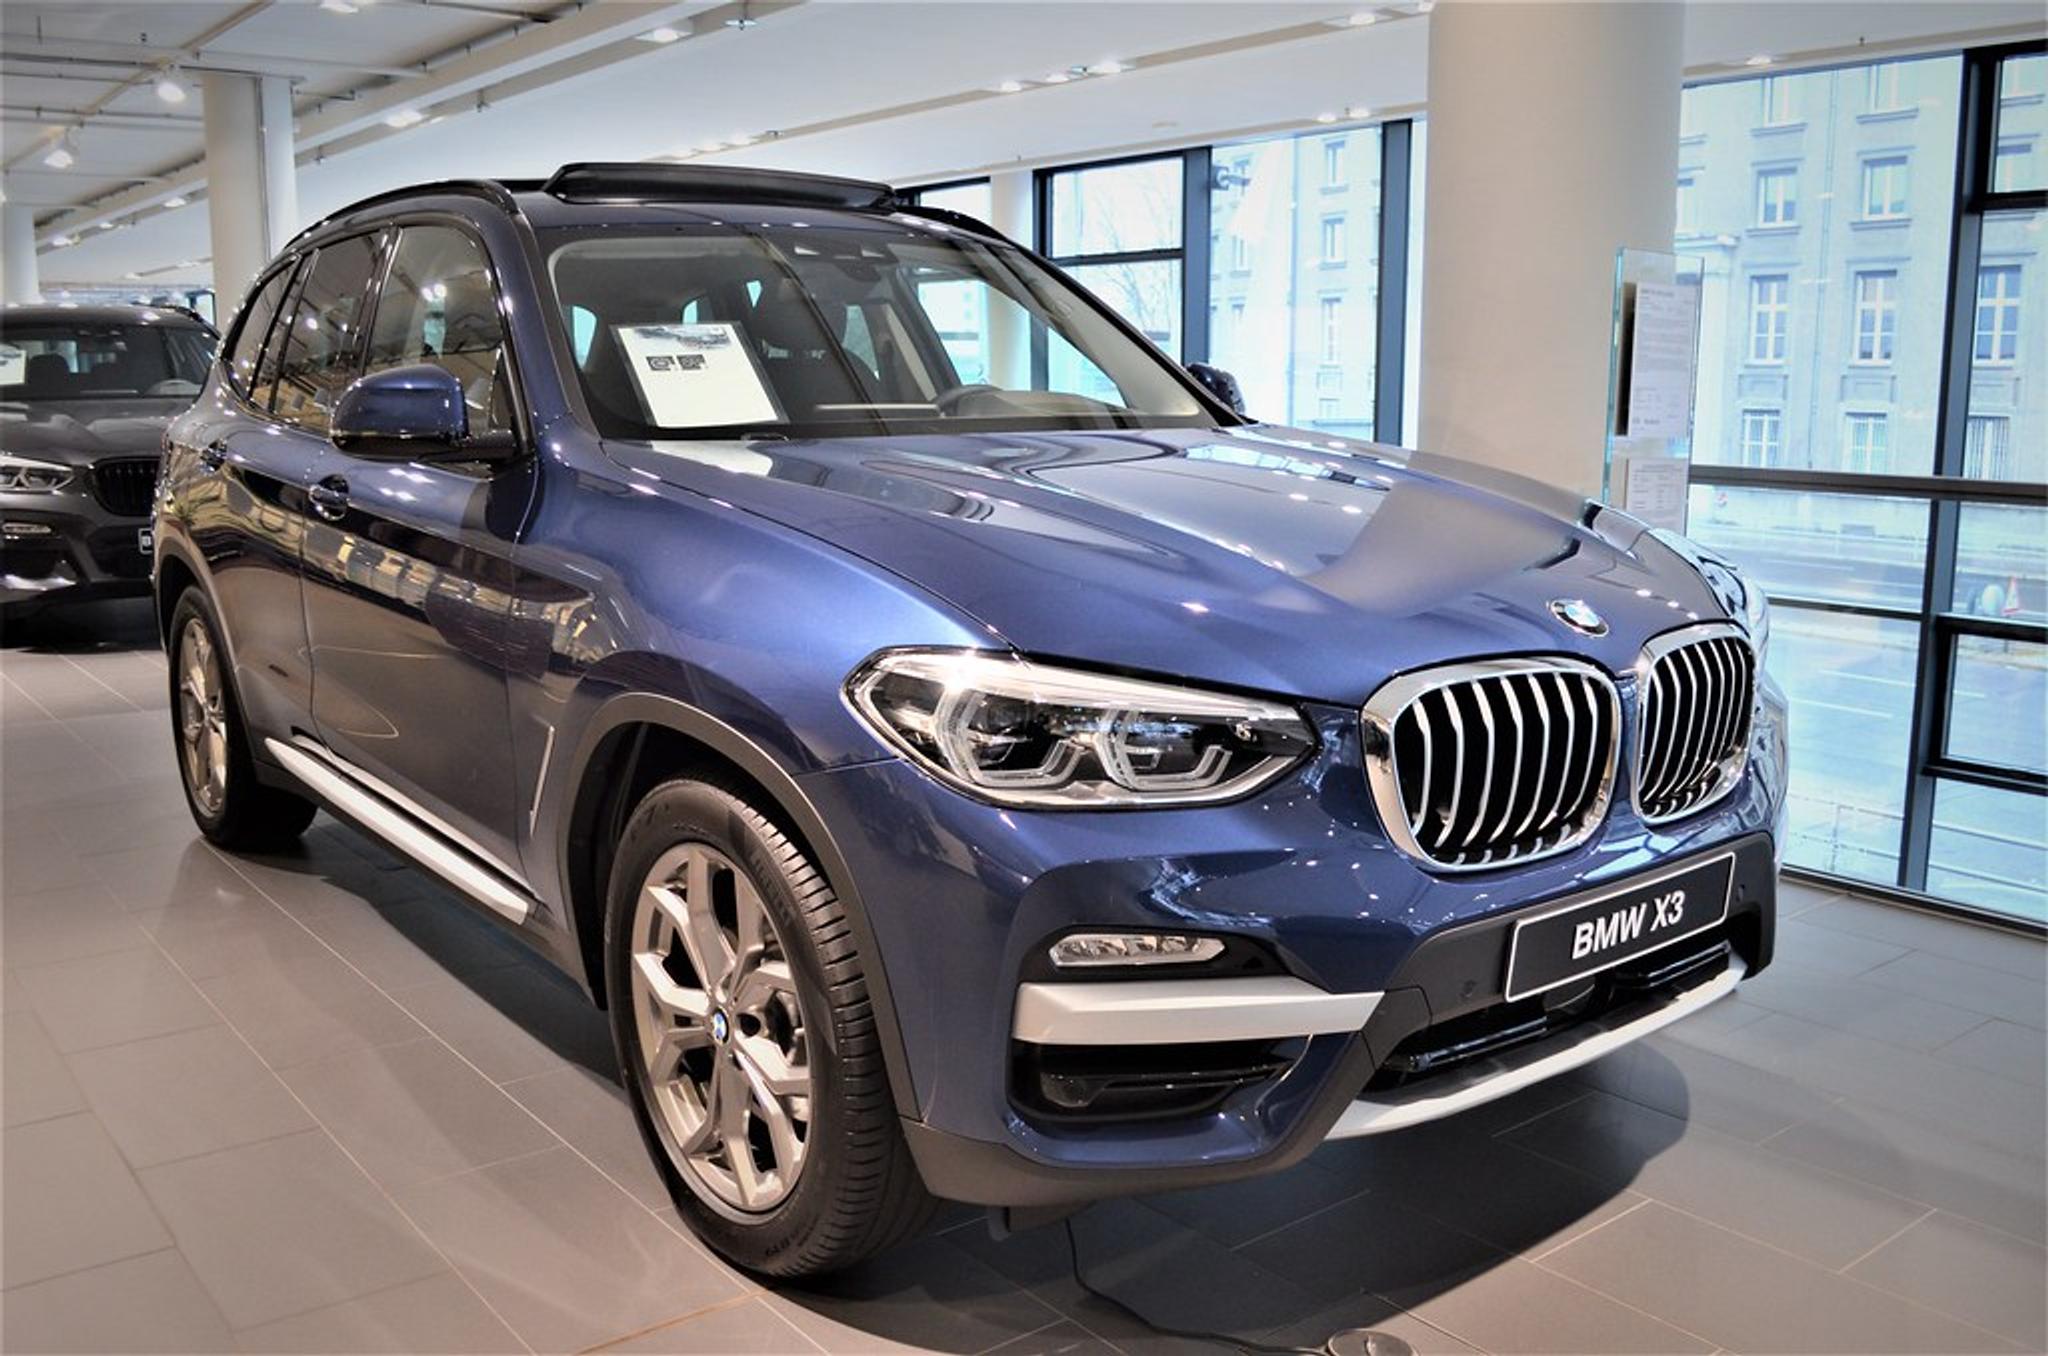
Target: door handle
point(213, 456)
point(330, 498)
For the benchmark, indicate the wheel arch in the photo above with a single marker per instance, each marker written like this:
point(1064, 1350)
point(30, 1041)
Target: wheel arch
point(636, 741)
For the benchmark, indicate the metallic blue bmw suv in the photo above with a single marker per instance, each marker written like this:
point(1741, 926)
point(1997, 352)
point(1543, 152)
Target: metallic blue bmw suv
point(966, 756)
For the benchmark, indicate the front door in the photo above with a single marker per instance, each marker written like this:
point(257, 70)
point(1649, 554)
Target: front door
point(408, 567)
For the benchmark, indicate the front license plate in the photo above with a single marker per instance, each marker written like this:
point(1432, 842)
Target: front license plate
point(145, 540)
point(1582, 939)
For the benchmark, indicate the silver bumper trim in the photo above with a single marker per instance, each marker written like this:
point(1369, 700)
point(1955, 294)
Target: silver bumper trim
point(1183, 1011)
point(1517, 1069)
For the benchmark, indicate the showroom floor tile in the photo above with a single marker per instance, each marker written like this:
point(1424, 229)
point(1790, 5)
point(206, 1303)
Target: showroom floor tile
point(312, 1103)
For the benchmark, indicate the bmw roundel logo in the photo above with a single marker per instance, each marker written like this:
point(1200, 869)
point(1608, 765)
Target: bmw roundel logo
point(719, 1026)
point(1578, 614)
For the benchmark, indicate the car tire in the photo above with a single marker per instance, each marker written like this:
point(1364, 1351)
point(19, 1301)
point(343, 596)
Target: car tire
point(232, 808)
point(700, 871)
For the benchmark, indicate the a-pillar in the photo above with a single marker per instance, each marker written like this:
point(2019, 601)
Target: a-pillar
point(1553, 142)
point(1009, 340)
point(18, 254)
point(251, 178)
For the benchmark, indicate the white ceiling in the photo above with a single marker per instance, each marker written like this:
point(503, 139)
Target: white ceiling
point(899, 91)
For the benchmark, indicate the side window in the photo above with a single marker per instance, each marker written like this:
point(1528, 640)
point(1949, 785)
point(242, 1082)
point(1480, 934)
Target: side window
point(255, 327)
point(320, 349)
point(440, 306)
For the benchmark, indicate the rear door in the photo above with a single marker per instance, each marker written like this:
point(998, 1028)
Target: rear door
point(409, 565)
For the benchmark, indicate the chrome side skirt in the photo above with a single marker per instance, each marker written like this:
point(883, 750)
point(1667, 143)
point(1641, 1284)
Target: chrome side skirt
point(1511, 1071)
point(407, 827)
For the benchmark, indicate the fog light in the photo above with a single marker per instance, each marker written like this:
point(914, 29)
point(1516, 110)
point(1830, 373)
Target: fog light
point(26, 529)
point(1081, 949)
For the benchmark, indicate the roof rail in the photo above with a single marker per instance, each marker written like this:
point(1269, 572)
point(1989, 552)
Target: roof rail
point(637, 181)
point(496, 191)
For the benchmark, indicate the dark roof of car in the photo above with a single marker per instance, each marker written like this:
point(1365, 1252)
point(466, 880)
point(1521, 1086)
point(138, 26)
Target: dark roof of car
point(624, 191)
point(95, 313)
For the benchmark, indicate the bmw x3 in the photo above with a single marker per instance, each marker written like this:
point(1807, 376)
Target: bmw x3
point(967, 757)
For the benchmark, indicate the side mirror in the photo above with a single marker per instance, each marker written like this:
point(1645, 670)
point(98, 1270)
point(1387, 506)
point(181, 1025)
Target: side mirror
point(1218, 383)
point(413, 413)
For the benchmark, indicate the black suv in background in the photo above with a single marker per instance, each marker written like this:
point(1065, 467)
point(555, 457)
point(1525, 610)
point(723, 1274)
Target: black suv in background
point(85, 394)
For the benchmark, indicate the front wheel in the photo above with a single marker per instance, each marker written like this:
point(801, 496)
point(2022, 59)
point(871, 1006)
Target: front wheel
point(740, 1011)
point(230, 806)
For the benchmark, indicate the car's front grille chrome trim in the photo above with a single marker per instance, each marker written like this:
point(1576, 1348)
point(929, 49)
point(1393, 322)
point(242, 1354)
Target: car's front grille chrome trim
point(1695, 694)
point(1485, 764)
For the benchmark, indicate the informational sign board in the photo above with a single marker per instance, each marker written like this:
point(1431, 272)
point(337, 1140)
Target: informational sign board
point(1652, 385)
point(13, 365)
point(1661, 353)
point(696, 376)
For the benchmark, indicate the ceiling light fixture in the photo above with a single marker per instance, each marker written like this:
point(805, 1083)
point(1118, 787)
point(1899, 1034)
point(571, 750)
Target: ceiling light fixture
point(1358, 112)
point(176, 200)
point(662, 36)
point(108, 225)
point(339, 6)
point(1326, 117)
point(1010, 87)
point(60, 156)
point(1760, 59)
point(1054, 78)
point(169, 89)
point(405, 117)
point(1365, 18)
point(58, 242)
point(1111, 67)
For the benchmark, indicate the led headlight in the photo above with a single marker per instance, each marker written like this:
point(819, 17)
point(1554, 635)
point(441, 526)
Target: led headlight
point(25, 475)
point(1029, 734)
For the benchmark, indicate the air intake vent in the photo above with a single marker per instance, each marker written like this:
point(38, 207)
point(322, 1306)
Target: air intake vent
point(1504, 760)
point(125, 486)
point(1694, 695)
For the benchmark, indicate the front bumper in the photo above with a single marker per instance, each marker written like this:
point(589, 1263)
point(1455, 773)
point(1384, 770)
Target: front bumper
point(66, 547)
point(1370, 953)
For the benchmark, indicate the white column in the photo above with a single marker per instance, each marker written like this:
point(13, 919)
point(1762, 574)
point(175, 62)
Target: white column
point(18, 254)
point(251, 178)
point(1553, 142)
point(1009, 340)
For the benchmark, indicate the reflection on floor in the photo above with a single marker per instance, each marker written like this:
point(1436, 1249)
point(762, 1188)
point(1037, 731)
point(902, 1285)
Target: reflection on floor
point(312, 1104)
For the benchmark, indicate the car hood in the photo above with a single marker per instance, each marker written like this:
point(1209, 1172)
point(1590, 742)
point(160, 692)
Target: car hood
point(1257, 557)
point(80, 432)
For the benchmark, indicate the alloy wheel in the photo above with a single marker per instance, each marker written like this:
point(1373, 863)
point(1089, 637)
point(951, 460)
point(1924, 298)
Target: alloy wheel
point(202, 717)
point(721, 1030)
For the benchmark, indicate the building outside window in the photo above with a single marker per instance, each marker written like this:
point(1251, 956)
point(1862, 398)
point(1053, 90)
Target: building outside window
point(2013, 171)
point(1866, 445)
point(1777, 197)
point(1762, 437)
point(1240, 254)
point(1843, 334)
point(1987, 449)
point(1884, 187)
point(1688, 205)
point(1778, 98)
point(1770, 318)
point(1998, 313)
point(1299, 327)
point(1877, 315)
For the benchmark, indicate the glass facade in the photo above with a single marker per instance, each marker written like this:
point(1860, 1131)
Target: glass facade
point(1294, 276)
point(1871, 426)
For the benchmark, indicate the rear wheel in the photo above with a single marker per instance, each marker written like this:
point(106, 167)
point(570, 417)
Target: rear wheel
point(740, 1010)
point(230, 806)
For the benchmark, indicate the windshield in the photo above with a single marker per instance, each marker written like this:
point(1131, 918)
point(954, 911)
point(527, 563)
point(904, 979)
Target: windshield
point(892, 325)
point(67, 360)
